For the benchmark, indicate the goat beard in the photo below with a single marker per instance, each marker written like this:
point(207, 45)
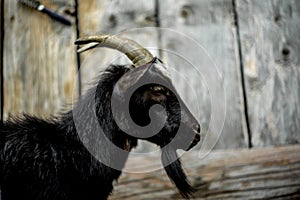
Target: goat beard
point(172, 165)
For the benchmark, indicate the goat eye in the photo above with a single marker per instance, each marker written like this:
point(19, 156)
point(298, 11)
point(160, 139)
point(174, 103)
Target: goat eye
point(157, 93)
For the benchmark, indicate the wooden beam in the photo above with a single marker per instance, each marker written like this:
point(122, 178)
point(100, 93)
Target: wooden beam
point(265, 173)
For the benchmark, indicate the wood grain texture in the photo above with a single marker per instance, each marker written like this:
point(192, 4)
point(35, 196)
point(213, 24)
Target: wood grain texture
point(211, 25)
point(262, 173)
point(1, 55)
point(39, 60)
point(128, 18)
point(132, 19)
point(270, 39)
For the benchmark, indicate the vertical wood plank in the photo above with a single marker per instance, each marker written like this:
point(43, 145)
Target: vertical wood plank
point(1, 57)
point(39, 59)
point(114, 17)
point(270, 38)
point(130, 19)
point(210, 24)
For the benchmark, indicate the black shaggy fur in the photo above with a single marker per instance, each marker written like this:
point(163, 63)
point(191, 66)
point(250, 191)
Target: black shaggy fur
point(45, 159)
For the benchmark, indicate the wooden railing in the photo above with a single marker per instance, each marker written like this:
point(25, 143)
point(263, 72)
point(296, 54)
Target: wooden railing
point(263, 173)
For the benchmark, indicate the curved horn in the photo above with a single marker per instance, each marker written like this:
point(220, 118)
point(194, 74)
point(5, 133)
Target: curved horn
point(134, 51)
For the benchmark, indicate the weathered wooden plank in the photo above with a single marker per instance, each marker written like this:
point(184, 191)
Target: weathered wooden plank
point(39, 59)
point(128, 18)
point(209, 24)
point(1, 55)
point(261, 173)
point(270, 39)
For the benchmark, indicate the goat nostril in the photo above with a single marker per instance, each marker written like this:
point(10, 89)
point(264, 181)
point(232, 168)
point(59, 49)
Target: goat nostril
point(197, 128)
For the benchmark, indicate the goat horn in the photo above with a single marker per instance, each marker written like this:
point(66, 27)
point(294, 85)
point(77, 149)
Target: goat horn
point(134, 51)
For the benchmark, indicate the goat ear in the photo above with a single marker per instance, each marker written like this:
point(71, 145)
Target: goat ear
point(131, 78)
point(154, 72)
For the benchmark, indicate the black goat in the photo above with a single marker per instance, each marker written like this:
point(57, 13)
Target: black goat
point(49, 159)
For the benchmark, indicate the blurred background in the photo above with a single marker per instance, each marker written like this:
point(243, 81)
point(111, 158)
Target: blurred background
point(254, 44)
point(246, 98)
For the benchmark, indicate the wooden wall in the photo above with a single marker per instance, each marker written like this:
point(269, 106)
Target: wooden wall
point(270, 44)
point(255, 45)
point(39, 59)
